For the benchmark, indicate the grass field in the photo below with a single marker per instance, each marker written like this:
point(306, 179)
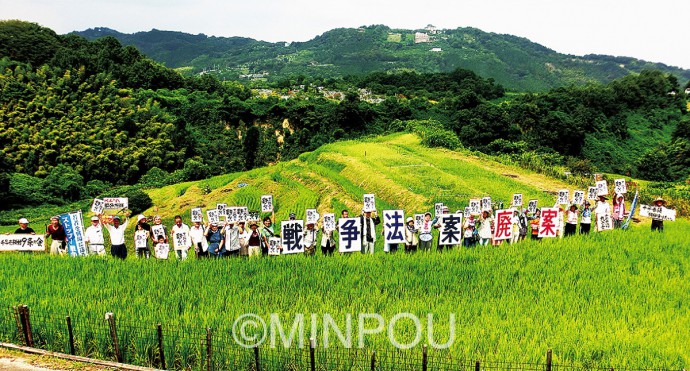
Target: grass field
point(612, 299)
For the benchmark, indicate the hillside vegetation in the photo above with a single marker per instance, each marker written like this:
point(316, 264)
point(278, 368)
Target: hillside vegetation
point(514, 62)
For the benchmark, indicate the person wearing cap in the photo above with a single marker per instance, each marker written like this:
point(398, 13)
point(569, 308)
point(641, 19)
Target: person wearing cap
point(292, 216)
point(116, 231)
point(425, 236)
point(182, 241)
point(216, 243)
point(586, 219)
point(24, 227)
point(141, 219)
point(94, 237)
point(266, 233)
point(658, 224)
point(571, 220)
point(243, 237)
point(411, 236)
point(58, 235)
point(368, 236)
point(602, 208)
point(309, 239)
point(254, 240)
point(197, 233)
point(618, 210)
point(231, 233)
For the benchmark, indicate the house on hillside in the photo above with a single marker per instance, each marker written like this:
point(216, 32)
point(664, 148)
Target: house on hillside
point(421, 37)
point(431, 29)
point(436, 50)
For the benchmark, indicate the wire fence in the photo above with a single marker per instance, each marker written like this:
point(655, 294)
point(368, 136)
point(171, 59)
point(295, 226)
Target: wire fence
point(166, 347)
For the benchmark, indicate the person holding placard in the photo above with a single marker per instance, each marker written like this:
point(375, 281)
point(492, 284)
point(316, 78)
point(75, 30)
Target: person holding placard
point(411, 236)
point(181, 239)
point(141, 241)
point(56, 232)
point(618, 211)
point(117, 237)
point(534, 225)
point(327, 241)
point(469, 231)
point(196, 232)
point(231, 232)
point(309, 239)
point(486, 227)
point(586, 219)
point(426, 239)
point(158, 228)
point(266, 233)
point(162, 249)
point(369, 224)
point(94, 237)
point(243, 237)
point(254, 241)
point(602, 208)
point(216, 245)
point(571, 221)
point(658, 224)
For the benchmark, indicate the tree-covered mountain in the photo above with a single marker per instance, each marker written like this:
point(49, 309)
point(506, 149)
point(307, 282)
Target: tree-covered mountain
point(514, 62)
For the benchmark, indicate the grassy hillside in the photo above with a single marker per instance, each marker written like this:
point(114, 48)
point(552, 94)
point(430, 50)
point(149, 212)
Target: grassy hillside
point(514, 62)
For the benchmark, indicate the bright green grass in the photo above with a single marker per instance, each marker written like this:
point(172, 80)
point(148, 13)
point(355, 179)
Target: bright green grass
point(617, 298)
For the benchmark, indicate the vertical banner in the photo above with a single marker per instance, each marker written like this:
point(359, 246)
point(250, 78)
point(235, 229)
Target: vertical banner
point(563, 197)
point(633, 206)
point(197, 215)
point(312, 216)
point(418, 221)
point(213, 216)
point(579, 197)
point(292, 232)
point(394, 226)
point(602, 188)
point(503, 227)
point(620, 186)
point(604, 222)
point(438, 209)
point(475, 206)
point(369, 203)
point(274, 246)
point(547, 222)
point(329, 222)
point(267, 203)
point(517, 199)
point(486, 203)
point(74, 229)
point(349, 231)
point(592, 193)
point(532, 206)
point(97, 206)
point(451, 229)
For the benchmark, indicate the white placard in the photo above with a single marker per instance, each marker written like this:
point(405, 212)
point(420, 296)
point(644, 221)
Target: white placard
point(563, 197)
point(312, 216)
point(475, 206)
point(369, 203)
point(267, 203)
point(579, 197)
point(329, 222)
point(657, 212)
point(604, 222)
point(418, 221)
point(592, 193)
point(602, 188)
point(486, 203)
point(532, 206)
point(394, 226)
point(503, 225)
point(140, 239)
point(349, 235)
point(162, 250)
point(213, 216)
point(517, 199)
point(620, 186)
point(292, 233)
point(274, 246)
point(97, 206)
point(157, 230)
point(450, 232)
point(197, 215)
point(115, 203)
point(548, 222)
point(22, 242)
point(438, 209)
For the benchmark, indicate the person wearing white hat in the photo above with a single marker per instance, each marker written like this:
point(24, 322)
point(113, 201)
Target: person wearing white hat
point(94, 237)
point(602, 208)
point(618, 210)
point(658, 224)
point(411, 239)
point(24, 227)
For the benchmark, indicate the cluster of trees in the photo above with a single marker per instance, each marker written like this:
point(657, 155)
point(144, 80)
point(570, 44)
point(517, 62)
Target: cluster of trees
point(104, 115)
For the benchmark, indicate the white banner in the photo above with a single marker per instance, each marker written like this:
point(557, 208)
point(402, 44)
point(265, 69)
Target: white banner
point(369, 203)
point(476, 206)
point(22, 242)
point(592, 193)
point(517, 199)
point(418, 221)
point(486, 203)
point(548, 222)
point(604, 222)
point(451, 229)
point(532, 206)
point(503, 225)
point(115, 203)
point(438, 209)
point(97, 206)
point(312, 216)
point(274, 246)
point(394, 226)
point(619, 186)
point(292, 233)
point(267, 203)
point(658, 212)
point(197, 215)
point(349, 231)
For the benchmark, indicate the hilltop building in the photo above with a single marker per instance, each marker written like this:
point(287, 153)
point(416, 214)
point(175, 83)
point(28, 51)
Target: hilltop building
point(421, 37)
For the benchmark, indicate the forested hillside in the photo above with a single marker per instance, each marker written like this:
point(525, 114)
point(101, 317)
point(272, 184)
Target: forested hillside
point(78, 117)
point(514, 62)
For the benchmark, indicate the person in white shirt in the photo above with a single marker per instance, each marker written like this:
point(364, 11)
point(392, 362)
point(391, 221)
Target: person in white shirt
point(310, 239)
point(196, 232)
point(94, 237)
point(571, 220)
point(602, 208)
point(182, 241)
point(117, 237)
point(232, 239)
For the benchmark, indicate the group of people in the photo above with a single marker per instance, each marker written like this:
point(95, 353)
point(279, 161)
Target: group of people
point(238, 239)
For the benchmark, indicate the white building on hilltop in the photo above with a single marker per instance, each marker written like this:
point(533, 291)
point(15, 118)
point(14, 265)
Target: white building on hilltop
point(421, 37)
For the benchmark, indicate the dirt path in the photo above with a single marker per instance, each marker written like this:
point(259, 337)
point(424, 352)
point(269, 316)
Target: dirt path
point(15, 363)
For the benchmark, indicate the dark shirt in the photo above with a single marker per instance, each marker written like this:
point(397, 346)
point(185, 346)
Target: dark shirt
point(28, 230)
point(145, 226)
point(57, 234)
point(254, 239)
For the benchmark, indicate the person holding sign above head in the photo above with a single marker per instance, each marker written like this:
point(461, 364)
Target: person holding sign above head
point(369, 224)
point(618, 210)
point(216, 245)
point(94, 237)
point(586, 219)
point(23, 227)
point(117, 237)
point(56, 232)
point(425, 236)
point(658, 224)
point(411, 236)
point(182, 241)
point(196, 232)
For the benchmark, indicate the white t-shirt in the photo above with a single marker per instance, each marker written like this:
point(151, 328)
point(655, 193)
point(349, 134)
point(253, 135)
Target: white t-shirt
point(197, 235)
point(94, 234)
point(117, 235)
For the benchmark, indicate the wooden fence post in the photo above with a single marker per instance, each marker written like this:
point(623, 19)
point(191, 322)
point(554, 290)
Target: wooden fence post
point(257, 363)
point(110, 317)
point(477, 366)
point(18, 318)
point(26, 325)
point(373, 360)
point(209, 349)
point(70, 333)
point(161, 351)
point(549, 364)
point(312, 358)
point(424, 358)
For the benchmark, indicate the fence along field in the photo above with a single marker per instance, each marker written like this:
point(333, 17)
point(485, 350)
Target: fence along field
point(610, 299)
